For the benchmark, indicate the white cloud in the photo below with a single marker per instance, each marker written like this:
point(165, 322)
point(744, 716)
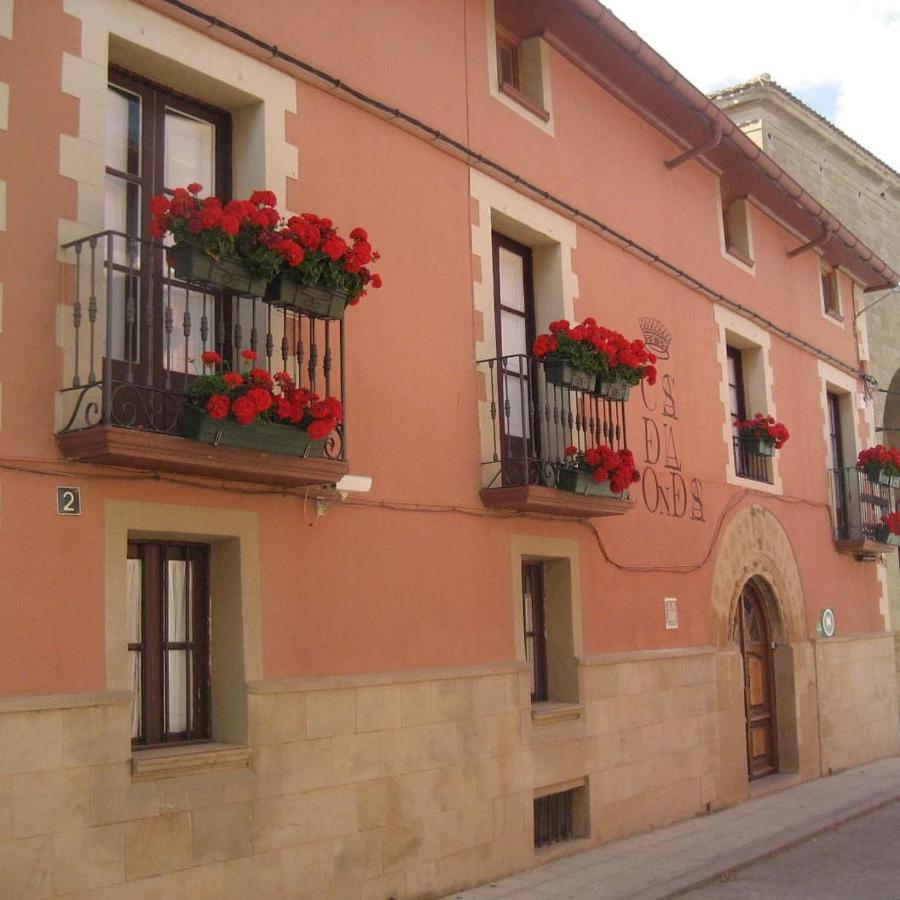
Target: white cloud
point(801, 44)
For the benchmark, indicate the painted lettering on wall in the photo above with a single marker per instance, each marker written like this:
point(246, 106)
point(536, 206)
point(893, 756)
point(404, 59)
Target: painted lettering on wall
point(665, 487)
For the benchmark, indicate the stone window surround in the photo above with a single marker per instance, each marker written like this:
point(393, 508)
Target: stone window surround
point(832, 380)
point(747, 265)
point(236, 630)
point(736, 331)
point(127, 33)
point(552, 239)
point(561, 591)
point(538, 52)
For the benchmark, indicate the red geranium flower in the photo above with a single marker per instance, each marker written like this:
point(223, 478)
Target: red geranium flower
point(244, 410)
point(218, 406)
point(233, 379)
point(249, 354)
point(211, 358)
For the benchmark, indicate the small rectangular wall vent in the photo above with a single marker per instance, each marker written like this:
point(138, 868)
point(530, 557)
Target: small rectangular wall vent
point(560, 817)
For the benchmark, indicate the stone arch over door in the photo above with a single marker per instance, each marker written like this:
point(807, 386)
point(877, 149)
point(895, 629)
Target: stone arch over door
point(755, 545)
point(755, 549)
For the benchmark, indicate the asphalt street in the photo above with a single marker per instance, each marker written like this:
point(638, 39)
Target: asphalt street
point(859, 860)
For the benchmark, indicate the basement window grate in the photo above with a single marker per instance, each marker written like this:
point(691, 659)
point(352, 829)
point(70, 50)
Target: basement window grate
point(554, 818)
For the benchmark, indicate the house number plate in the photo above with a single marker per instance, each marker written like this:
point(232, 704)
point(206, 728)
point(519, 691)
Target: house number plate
point(68, 501)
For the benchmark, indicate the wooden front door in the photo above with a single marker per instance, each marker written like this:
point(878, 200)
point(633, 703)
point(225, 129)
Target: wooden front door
point(755, 637)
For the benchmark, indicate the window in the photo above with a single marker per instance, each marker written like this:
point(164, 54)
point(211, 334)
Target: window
point(747, 463)
point(548, 633)
point(831, 298)
point(168, 641)
point(520, 70)
point(535, 631)
point(157, 140)
point(560, 816)
point(836, 460)
point(736, 225)
point(515, 329)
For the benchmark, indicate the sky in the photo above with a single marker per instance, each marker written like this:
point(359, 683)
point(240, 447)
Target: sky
point(840, 58)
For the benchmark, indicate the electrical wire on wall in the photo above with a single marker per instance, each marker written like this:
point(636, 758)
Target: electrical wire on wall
point(52, 469)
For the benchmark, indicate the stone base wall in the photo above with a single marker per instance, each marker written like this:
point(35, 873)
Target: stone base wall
point(406, 786)
point(857, 700)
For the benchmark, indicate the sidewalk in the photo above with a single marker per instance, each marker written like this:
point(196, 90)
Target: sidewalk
point(668, 861)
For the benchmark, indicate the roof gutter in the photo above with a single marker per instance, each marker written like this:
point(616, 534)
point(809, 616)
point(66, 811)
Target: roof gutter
point(604, 20)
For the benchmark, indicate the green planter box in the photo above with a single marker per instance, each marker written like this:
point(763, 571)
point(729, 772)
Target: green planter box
point(564, 374)
point(323, 303)
point(890, 480)
point(758, 447)
point(885, 536)
point(194, 265)
point(581, 481)
point(270, 437)
point(613, 389)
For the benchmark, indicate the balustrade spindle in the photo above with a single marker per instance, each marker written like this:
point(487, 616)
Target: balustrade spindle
point(270, 338)
point(76, 317)
point(254, 331)
point(130, 321)
point(238, 337)
point(313, 354)
point(147, 314)
point(493, 411)
point(204, 325)
point(92, 310)
point(327, 362)
point(285, 344)
point(186, 327)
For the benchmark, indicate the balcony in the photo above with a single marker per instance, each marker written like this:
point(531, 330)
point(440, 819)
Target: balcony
point(526, 425)
point(133, 338)
point(857, 505)
point(750, 464)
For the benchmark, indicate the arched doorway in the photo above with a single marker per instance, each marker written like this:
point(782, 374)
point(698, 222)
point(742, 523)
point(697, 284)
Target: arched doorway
point(753, 633)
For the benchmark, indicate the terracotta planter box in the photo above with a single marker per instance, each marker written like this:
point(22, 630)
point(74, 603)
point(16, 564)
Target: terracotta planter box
point(323, 303)
point(193, 265)
point(613, 389)
point(580, 481)
point(885, 536)
point(564, 374)
point(269, 437)
point(758, 447)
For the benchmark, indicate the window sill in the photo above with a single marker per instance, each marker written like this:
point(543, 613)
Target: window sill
point(524, 100)
point(835, 317)
point(188, 759)
point(740, 257)
point(551, 712)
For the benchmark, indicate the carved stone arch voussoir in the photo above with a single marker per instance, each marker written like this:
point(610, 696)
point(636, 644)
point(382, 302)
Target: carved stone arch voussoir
point(756, 546)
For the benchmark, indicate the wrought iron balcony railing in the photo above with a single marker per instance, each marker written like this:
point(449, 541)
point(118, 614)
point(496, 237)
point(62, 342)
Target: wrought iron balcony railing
point(857, 506)
point(532, 422)
point(750, 464)
point(136, 334)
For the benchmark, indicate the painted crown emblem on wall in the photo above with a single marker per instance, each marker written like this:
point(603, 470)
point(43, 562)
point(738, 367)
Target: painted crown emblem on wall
point(656, 336)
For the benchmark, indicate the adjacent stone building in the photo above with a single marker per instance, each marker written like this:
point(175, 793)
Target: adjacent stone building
point(863, 192)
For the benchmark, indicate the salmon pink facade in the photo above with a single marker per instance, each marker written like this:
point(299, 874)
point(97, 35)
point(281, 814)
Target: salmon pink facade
point(227, 669)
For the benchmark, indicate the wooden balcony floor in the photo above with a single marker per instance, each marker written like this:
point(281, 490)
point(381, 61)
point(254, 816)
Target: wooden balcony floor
point(146, 450)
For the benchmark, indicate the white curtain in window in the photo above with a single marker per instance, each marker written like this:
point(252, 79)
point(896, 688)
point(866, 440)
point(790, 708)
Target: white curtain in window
point(133, 604)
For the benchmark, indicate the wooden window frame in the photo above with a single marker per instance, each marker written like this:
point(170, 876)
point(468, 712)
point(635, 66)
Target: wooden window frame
point(155, 99)
point(154, 644)
point(533, 578)
point(734, 354)
point(511, 77)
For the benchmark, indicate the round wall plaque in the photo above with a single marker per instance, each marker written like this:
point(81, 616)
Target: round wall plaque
point(827, 622)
